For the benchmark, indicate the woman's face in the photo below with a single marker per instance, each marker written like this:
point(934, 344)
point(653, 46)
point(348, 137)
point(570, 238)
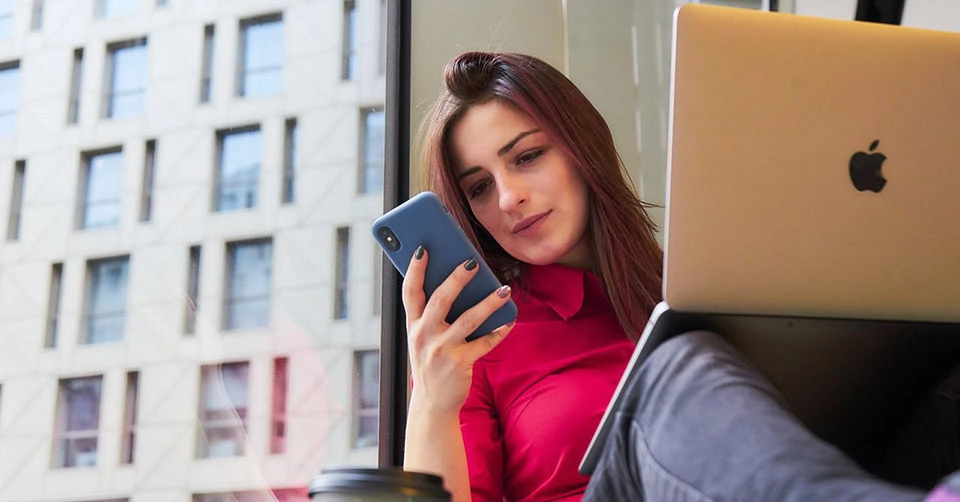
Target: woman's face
point(523, 189)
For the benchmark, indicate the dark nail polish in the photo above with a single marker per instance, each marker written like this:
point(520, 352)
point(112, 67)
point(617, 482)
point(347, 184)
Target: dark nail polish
point(418, 253)
point(470, 264)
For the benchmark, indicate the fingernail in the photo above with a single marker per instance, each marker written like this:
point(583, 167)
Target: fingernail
point(503, 292)
point(418, 253)
point(470, 264)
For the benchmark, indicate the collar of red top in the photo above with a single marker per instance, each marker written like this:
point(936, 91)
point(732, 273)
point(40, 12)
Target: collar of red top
point(560, 287)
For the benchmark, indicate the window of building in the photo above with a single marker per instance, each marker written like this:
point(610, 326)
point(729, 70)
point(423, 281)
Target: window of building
point(53, 306)
point(278, 421)
point(16, 201)
point(115, 8)
point(341, 292)
point(289, 161)
point(163, 3)
point(372, 139)
point(6, 18)
point(238, 171)
point(377, 280)
point(76, 75)
point(206, 71)
point(101, 189)
point(149, 173)
point(382, 46)
point(193, 290)
point(9, 94)
point(260, 66)
point(129, 438)
point(348, 68)
point(366, 397)
point(126, 78)
point(36, 15)
point(78, 422)
point(223, 409)
point(249, 284)
point(106, 300)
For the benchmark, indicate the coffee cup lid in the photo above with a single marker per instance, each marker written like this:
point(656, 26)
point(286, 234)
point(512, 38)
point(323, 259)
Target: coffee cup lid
point(370, 480)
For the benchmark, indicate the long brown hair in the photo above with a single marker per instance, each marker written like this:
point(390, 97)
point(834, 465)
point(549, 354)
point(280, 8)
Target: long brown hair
point(628, 258)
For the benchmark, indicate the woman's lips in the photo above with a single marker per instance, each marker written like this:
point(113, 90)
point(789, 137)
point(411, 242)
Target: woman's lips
point(531, 224)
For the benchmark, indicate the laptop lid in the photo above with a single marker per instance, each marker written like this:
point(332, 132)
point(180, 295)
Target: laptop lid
point(814, 168)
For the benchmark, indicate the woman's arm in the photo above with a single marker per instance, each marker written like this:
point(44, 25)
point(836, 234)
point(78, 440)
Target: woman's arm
point(434, 444)
point(442, 365)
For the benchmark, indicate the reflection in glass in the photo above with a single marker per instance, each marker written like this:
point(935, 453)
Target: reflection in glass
point(366, 397)
point(16, 200)
point(261, 57)
point(78, 422)
point(106, 300)
point(249, 283)
point(289, 161)
point(53, 306)
point(127, 78)
point(100, 200)
point(9, 94)
point(206, 71)
point(36, 16)
point(341, 295)
point(76, 73)
point(223, 409)
point(348, 63)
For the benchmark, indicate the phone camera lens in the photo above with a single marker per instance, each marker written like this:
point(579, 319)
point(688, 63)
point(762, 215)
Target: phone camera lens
point(389, 240)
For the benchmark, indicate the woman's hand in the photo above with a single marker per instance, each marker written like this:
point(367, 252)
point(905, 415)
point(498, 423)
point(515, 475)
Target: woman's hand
point(440, 358)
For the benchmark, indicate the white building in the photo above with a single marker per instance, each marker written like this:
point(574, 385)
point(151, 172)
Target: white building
point(188, 289)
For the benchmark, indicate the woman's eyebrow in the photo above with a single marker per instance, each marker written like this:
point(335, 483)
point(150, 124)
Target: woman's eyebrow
point(505, 149)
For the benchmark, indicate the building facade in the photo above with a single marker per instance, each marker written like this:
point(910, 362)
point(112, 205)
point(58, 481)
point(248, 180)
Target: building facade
point(189, 296)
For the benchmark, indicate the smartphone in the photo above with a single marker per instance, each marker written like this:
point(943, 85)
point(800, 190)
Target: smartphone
point(423, 221)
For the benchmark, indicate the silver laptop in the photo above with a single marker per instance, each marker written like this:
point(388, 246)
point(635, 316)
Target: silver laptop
point(813, 212)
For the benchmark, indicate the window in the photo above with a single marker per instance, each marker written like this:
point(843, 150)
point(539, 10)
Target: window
point(348, 69)
point(278, 422)
point(206, 72)
point(6, 18)
point(130, 417)
point(76, 75)
point(16, 201)
point(193, 290)
point(289, 162)
point(78, 422)
point(53, 306)
point(101, 187)
point(260, 67)
point(9, 94)
point(149, 173)
point(163, 3)
point(249, 284)
point(36, 16)
point(371, 151)
point(223, 409)
point(377, 280)
point(342, 274)
point(115, 8)
point(126, 78)
point(238, 172)
point(366, 397)
point(106, 301)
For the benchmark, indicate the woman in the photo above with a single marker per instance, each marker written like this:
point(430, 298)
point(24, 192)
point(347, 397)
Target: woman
point(528, 168)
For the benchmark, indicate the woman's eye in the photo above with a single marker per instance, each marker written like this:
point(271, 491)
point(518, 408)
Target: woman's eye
point(527, 157)
point(479, 189)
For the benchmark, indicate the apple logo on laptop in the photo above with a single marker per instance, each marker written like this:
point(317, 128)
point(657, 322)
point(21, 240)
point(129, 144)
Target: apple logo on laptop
point(865, 169)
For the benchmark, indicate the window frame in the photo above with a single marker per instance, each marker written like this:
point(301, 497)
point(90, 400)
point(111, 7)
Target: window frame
point(85, 332)
point(241, 90)
point(110, 68)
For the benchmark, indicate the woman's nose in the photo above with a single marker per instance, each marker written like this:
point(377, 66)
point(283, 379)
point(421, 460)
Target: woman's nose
point(513, 192)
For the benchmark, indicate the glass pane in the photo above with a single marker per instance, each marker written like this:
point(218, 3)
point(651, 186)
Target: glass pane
point(239, 170)
point(374, 136)
point(6, 18)
point(104, 184)
point(261, 286)
point(9, 97)
point(263, 59)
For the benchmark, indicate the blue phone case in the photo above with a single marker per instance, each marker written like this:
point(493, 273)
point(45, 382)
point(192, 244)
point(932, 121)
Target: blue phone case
point(423, 221)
